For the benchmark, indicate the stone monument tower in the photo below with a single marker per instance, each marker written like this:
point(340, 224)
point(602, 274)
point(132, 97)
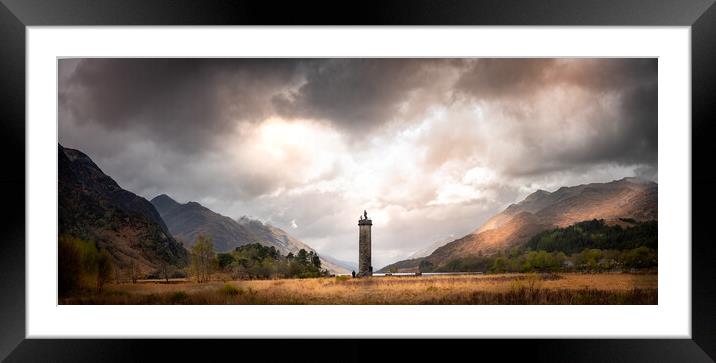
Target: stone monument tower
point(364, 264)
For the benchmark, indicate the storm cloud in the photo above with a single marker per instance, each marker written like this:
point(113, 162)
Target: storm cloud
point(185, 102)
point(431, 147)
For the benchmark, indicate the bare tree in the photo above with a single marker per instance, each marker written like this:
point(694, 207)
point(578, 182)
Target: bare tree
point(202, 258)
point(117, 276)
point(166, 271)
point(104, 269)
point(133, 272)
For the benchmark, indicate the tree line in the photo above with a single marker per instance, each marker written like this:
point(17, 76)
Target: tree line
point(255, 261)
point(252, 261)
point(585, 246)
point(596, 234)
point(85, 267)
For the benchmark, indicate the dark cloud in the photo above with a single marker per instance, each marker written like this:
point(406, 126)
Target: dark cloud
point(185, 102)
point(612, 101)
point(496, 78)
point(359, 93)
point(629, 138)
point(516, 78)
point(188, 102)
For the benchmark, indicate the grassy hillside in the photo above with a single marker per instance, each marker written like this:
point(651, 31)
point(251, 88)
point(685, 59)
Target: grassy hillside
point(585, 246)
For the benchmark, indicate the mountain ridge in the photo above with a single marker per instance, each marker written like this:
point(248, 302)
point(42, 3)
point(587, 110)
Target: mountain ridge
point(93, 206)
point(188, 220)
point(624, 198)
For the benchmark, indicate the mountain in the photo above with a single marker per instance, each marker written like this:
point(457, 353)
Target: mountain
point(345, 265)
point(94, 207)
point(426, 251)
point(625, 198)
point(189, 220)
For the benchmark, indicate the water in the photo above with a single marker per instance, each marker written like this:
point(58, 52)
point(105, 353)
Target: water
point(423, 274)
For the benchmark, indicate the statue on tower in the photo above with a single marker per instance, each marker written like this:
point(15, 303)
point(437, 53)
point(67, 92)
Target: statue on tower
point(364, 246)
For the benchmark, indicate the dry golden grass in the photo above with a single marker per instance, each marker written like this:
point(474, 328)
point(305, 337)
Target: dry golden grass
point(605, 288)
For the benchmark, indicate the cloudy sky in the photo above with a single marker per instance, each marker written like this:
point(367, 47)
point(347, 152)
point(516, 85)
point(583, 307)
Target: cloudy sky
point(429, 147)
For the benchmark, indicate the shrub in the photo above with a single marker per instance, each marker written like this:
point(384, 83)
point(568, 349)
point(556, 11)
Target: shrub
point(224, 260)
point(230, 290)
point(640, 257)
point(81, 266)
point(69, 266)
point(178, 297)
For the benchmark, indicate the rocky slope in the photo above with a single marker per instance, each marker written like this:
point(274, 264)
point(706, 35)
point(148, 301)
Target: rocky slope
point(189, 220)
point(541, 210)
point(94, 207)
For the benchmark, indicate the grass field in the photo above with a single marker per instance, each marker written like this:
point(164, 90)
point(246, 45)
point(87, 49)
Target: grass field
point(572, 288)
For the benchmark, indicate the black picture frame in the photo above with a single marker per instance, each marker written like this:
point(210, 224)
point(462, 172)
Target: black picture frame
point(16, 15)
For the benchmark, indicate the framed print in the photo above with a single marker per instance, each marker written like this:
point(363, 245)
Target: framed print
point(463, 170)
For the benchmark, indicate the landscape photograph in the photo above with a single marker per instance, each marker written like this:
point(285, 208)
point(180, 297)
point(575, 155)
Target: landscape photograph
point(357, 181)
